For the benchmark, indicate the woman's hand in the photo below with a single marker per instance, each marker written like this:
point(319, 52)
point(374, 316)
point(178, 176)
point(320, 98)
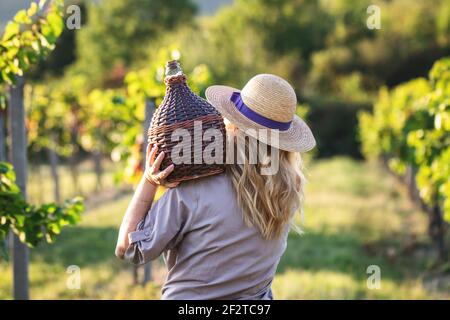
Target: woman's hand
point(152, 173)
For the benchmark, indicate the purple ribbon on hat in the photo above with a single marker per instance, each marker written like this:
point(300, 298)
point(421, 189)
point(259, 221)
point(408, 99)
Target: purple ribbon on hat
point(259, 119)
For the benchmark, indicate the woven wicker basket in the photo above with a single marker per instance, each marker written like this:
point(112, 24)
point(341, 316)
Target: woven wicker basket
point(180, 108)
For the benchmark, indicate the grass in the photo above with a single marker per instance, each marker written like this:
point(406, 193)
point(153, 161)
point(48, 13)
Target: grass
point(356, 216)
point(40, 184)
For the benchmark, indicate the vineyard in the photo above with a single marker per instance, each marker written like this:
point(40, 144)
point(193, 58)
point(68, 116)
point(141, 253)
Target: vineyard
point(410, 130)
point(75, 105)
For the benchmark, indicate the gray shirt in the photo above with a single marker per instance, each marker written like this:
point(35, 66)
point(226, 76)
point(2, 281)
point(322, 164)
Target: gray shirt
point(209, 251)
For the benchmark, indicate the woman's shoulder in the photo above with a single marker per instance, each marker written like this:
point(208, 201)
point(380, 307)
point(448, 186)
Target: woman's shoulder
point(206, 187)
point(195, 188)
point(206, 182)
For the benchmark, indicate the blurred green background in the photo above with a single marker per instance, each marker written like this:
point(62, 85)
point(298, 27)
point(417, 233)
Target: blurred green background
point(86, 108)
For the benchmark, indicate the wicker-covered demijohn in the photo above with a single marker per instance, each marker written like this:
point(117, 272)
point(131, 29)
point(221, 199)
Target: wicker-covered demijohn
point(182, 109)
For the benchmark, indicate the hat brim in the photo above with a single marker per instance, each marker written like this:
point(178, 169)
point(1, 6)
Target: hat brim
point(298, 138)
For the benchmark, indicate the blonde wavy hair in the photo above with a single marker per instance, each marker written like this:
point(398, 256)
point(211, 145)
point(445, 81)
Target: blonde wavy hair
point(268, 202)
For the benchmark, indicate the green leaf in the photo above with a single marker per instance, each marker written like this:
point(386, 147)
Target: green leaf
point(55, 228)
point(21, 17)
point(32, 10)
point(8, 77)
point(23, 237)
point(43, 39)
point(56, 23)
point(35, 46)
point(438, 121)
point(48, 37)
point(12, 29)
point(49, 238)
point(20, 219)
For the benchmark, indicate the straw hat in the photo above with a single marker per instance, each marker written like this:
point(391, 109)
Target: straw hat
point(266, 102)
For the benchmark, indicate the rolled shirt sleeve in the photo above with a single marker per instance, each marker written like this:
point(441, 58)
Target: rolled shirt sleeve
point(163, 227)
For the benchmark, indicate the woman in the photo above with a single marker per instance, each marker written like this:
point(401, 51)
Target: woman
point(222, 236)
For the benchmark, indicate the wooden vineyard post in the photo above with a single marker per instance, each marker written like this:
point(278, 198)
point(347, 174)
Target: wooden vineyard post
point(19, 161)
point(53, 160)
point(7, 243)
point(149, 110)
point(2, 135)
